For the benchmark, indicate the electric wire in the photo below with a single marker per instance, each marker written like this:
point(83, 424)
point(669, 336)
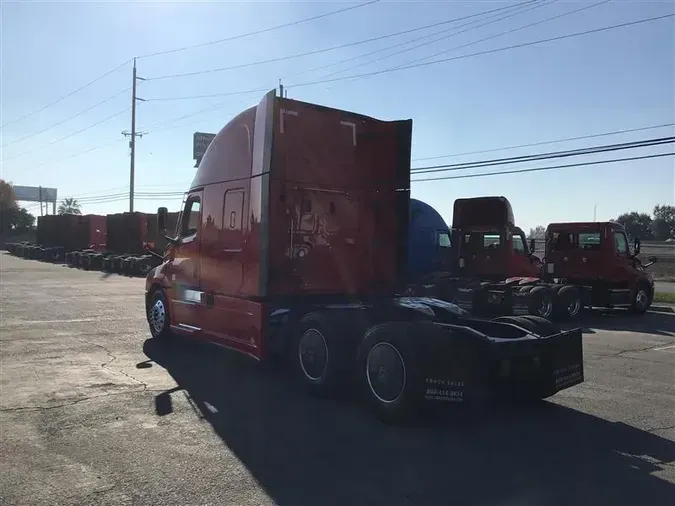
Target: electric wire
point(80, 113)
point(263, 30)
point(545, 156)
point(444, 60)
point(108, 118)
point(539, 169)
point(542, 143)
point(507, 32)
point(445, 37)
point(334, 48)
point(77, 90)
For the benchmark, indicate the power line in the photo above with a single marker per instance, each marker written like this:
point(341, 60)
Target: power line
point(334, 48)
point(69, 118)
point(118, 113)
point(545, 156)
point(513, 30)
point(510, 15)
point(264, 30)
point(444, 60)
point(80, 153)
point(489, 51)
point(539, 169)
point(77, 90)
point(532, 144)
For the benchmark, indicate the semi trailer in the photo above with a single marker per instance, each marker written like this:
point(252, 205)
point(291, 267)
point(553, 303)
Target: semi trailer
point(293, 242)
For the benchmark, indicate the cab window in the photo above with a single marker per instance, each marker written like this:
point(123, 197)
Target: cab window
point(589, 240)
point(491, 241)
point(191, 217)
point(621, 243)
point(519, 244)
point(443, 239)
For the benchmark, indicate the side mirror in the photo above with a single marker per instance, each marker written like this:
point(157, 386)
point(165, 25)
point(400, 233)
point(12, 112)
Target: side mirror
point(533, 245)
point(162, 218)
point(637, 246)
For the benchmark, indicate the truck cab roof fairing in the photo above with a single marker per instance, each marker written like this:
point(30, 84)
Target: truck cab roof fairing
point(215, 166)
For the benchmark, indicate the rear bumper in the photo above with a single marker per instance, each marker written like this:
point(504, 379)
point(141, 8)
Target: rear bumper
point(508, 369)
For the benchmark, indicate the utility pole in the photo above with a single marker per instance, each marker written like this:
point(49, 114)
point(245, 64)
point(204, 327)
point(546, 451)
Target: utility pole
point(133, 135)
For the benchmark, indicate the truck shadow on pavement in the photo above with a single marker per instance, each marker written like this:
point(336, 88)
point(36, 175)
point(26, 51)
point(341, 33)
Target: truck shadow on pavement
point(305, 452)
point(662, 324)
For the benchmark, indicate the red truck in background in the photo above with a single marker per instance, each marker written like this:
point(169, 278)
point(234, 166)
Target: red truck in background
point(585, 265)
point(595, 259)
point(292, 241)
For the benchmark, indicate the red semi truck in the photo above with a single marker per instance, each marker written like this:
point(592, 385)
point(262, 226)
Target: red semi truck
point(292, 241)
point(585, 265)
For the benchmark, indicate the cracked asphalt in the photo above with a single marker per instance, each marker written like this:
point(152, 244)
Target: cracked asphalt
point(93, 412)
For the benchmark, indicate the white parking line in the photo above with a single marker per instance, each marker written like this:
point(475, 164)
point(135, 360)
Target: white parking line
point(669, 347)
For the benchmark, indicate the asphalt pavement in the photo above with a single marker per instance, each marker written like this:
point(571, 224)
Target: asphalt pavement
point(92, 411)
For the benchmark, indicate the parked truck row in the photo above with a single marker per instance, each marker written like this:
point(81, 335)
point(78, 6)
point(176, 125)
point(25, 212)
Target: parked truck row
point(487, 266)
point(124, 243)
point(296, 241)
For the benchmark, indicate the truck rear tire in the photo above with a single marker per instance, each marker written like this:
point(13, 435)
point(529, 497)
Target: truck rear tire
point(540, 302)
point(568, 304)
point(390, 372)
point(323, 354)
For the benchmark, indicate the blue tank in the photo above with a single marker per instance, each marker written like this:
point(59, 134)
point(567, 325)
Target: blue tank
point(428, 241)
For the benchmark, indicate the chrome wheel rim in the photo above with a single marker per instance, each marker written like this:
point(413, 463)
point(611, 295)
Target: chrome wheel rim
point(574, 306)
point(157, 316)
point(641, 299)
point(386, 373)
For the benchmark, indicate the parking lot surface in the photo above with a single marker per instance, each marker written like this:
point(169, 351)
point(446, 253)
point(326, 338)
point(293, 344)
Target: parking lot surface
point(94, 412)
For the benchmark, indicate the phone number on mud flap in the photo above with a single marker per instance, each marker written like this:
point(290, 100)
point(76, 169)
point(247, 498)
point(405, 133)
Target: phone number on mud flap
point(565, 375)
point(444, 394)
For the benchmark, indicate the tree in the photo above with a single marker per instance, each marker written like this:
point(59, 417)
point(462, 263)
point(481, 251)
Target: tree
point(69, 206)
point(663, 224)
point(7, 195)
point(637, 225)
point(537, 232)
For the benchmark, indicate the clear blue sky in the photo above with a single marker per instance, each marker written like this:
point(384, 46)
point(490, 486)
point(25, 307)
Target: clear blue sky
point(615, 80)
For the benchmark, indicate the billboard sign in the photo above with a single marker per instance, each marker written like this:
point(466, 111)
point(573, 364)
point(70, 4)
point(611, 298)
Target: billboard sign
point(35, 194)
point(200, 143)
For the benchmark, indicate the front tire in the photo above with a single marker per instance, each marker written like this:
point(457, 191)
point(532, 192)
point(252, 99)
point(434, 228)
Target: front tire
point(158, 316)
point(641, 299)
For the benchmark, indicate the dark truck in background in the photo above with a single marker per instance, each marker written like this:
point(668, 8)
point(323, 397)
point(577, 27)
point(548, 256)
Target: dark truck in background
point(585, 265)
point(293, 242)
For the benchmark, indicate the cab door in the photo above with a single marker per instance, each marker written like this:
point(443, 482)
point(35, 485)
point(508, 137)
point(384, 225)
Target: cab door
point(622, 272)
point(187, 299)
point(522, 261)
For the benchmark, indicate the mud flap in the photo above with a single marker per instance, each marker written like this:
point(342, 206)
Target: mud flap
point(566, 358)
point(454, 372)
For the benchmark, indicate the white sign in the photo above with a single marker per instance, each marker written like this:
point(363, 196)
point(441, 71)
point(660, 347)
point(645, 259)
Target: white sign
point(35, 194)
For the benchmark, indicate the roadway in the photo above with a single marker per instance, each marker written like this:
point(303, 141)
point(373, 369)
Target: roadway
point(664, 286)
point(92, 412)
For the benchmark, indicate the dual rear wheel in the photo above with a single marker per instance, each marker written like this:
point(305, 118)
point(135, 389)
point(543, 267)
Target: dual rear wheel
point(334, 354)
